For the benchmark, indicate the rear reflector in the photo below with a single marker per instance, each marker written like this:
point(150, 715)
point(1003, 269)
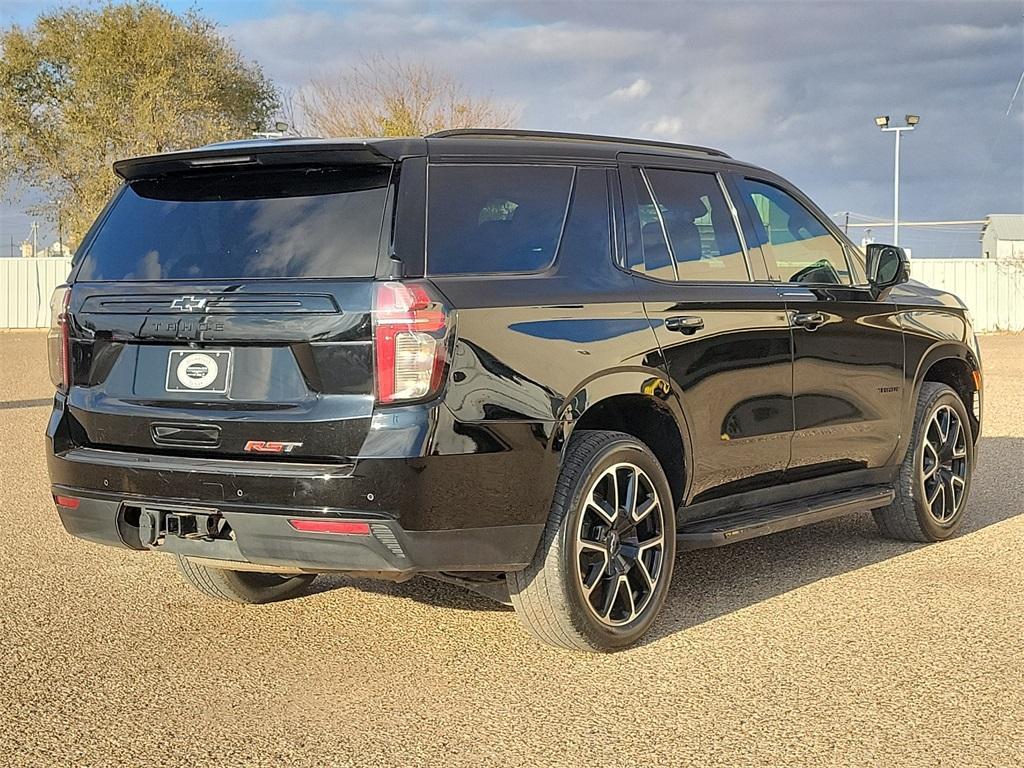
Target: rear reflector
point(68, 502)
point(331, 526)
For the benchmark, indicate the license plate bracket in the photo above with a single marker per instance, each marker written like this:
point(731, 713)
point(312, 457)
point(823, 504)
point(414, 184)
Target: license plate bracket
point(206, 371)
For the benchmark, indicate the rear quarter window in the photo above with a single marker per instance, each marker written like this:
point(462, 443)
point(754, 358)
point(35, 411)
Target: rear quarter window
point(495, 218)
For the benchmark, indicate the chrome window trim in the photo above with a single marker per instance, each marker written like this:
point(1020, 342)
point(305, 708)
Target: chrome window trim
point(736, 223)
point(661, 221)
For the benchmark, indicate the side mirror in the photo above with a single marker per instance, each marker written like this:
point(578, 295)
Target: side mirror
point(887, 266)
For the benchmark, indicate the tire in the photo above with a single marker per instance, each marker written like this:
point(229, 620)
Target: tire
point(241, 586)
point(911, 516)
point(549, 595)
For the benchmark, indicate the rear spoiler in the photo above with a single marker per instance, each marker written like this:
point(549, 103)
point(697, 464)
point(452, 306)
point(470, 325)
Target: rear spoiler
point(295, 152)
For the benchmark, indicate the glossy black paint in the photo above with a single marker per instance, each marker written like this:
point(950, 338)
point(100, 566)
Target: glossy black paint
point(847, 381)
point(763, 410)
point(301, 359)
point(733, 379)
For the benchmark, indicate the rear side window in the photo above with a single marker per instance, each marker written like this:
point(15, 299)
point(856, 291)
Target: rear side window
point(495, 218)
point(687, 232)
point(657, 260)
point(311, 223)
point(699, 225)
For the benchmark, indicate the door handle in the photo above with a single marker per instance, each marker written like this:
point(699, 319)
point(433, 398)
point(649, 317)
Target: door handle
point(809, 320)
point(686, 324)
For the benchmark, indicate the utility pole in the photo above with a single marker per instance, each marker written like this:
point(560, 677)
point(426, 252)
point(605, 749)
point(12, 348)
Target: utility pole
point(60, 230)
point(882, 121)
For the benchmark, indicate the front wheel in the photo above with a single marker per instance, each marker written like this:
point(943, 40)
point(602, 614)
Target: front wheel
point(242, 586)
point(602, 569)
point(935, 476)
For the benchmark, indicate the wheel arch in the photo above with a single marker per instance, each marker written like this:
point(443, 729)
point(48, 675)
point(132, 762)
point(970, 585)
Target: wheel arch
point(956, 373)
point(950, 364)
point(641, 403)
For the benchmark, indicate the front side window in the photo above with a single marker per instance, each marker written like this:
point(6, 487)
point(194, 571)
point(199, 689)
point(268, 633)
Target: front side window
point(687, 230)
point(797, 246)
point(495, 218)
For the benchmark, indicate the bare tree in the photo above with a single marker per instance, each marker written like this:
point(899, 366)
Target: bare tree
point(390, 97)
point(288, 112)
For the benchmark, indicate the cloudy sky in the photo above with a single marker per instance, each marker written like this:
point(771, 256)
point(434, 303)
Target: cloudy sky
point(793, 86)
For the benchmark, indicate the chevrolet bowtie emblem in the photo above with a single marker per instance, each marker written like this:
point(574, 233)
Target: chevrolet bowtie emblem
point(189, 304)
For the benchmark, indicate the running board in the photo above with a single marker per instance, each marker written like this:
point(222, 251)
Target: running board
point(749, 524)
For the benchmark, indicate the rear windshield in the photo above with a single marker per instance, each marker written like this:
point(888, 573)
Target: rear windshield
point(317, 222)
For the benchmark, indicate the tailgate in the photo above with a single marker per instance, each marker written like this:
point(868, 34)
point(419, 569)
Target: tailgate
point(229, 369)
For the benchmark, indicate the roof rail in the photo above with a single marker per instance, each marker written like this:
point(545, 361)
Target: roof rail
point(515, 133)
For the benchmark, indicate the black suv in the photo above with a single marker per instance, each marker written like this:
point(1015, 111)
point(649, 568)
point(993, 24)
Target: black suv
point(534, 364)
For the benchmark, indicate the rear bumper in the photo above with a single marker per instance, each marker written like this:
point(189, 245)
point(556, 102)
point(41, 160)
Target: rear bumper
point(468, 476)
point(475, 499)
point(267, 538)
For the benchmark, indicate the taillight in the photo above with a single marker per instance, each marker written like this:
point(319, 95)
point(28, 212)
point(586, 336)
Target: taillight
point(58, 340)
point(410, 337)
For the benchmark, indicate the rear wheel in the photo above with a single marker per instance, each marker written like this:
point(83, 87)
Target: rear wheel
point(242, 586)
point(602, 570)
point(935, 477)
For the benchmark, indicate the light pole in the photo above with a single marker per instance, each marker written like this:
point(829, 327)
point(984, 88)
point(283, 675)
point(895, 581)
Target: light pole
point(882, 121)
point(60, 229)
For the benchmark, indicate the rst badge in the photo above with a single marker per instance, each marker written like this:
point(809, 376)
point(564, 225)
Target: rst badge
point(270, 446)
point(208, 371)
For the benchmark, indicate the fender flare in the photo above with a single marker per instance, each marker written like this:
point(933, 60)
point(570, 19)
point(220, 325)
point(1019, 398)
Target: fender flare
point(937, 352)
point(624, 381)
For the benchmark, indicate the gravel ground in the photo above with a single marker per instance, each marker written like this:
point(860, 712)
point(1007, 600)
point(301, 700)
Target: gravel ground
point(821, 646)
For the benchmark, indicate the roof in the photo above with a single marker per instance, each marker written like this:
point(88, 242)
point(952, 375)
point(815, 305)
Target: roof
point(1006, 226)
point(469, 142)
point(557, 136)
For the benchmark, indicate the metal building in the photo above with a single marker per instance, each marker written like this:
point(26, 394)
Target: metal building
point(1002, 236)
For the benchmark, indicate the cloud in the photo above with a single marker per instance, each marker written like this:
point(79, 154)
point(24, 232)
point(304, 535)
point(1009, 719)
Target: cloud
point(665, 126)
point(791, 86)
point(635, 90)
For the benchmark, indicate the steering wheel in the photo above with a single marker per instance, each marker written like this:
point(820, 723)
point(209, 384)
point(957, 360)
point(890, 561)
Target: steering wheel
point(820, 272)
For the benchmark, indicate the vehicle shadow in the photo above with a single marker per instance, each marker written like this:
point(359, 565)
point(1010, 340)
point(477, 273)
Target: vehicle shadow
point(711, 583)
point(419, 588)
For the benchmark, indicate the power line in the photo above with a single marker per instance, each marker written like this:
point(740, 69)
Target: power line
point(1015, 92)
point(966, 223)
point(988, 165)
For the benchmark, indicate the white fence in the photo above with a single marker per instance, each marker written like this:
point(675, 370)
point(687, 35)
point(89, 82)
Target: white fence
point(993, 289)
point(25, 288)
